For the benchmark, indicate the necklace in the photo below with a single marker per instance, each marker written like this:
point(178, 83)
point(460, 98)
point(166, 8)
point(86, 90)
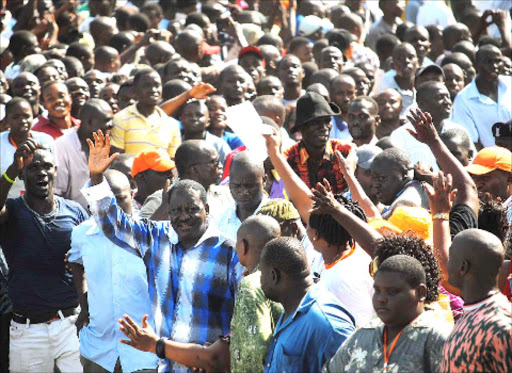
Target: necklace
point(46, 218)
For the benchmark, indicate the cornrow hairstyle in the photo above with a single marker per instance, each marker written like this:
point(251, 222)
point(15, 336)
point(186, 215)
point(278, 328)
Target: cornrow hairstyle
point(417, 248)
point(329, 229)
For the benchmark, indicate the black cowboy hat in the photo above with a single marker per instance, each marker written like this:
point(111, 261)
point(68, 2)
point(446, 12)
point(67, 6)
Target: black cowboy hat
point(313, 106)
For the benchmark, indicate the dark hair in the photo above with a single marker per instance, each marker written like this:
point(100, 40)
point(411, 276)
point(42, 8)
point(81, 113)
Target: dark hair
point(270, 39)
point(188, 185)
point(152, 7)
point(52, 83)
point(297, 42)
point(409, 268)
point(139, 22)
point(19, 40)
point(199, 19)
point(340, 39)
point(74, 66)
point(142, 72)
point(489, 40)
point(287, 255)
point(386, 43)
point(121, 41)
point(375, 106)
point(14, 102)
point(269, 104)
point(79, 50)
point(417, 248)
point(402, 29)
point(329, 229)
point(397, 157)
point(187, 154)
point(483, 51)
point(492, 217)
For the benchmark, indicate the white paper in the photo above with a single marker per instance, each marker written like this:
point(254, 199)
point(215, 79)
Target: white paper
point(247, 125)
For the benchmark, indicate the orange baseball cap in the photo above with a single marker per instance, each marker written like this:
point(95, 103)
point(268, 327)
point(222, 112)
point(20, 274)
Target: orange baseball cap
point(155, 159)
point(490, 159)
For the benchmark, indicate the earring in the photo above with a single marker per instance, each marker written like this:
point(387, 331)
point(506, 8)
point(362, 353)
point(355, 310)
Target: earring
point(314, 238)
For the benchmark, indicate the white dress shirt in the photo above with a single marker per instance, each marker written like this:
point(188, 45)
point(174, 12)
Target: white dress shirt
point(418, 151)
point(478, 113)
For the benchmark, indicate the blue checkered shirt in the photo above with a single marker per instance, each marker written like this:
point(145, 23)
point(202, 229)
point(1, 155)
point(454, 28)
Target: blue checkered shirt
point(192, 291)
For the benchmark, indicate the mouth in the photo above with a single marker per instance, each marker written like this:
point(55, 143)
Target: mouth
point(43, 184)
point(59, 108)
point(184, 227)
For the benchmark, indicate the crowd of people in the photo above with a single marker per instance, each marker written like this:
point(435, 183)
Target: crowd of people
point(255, 186)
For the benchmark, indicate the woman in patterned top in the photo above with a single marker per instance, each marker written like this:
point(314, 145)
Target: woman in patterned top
point(406, 338)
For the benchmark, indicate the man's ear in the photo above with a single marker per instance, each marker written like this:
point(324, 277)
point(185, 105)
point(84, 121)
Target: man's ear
point(464, 267)
point(207, 208)
point(421, 292)
point(276, 276)
point(245, 246)
point(377, 120)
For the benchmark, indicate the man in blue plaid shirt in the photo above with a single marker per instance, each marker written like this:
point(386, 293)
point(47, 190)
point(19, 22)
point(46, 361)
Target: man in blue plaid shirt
point(193, 271)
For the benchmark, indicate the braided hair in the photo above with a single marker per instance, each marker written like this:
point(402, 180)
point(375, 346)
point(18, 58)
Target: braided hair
point(329, 229)
point(417, 248)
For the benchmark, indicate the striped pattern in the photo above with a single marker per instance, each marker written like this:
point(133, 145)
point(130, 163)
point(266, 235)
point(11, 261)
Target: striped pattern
point(135, 133)
point(192, 291)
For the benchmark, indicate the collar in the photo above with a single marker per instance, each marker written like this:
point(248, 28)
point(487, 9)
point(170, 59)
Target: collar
point(424, 320)
point(407, 185)
point(211, 232)
point(340, 123)
point(263, 202)
point(304, 156)
point(474, 306)
point(473, 91)
point(132, 109)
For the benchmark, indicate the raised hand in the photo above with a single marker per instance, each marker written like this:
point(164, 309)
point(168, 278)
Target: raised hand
point(441, 194)
point(348, 164)
point(325, 203)
point(424, 130)
point(24, 154)
point(201, 91)
point(99, 153)
point(273, 141)
point(142, 338)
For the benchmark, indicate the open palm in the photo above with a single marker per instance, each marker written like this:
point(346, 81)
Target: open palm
point(202, 90)
point(99, 153)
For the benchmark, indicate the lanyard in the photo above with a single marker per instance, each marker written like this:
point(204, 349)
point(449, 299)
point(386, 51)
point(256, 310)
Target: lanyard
point(386, 355)
point(13, 143)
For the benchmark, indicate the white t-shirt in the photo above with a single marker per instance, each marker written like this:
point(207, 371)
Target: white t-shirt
point(350, 281)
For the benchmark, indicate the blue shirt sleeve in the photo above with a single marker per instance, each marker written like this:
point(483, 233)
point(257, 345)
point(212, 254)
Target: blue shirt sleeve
point(139, 236)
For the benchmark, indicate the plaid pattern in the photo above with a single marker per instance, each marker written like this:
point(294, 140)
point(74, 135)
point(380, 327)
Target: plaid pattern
point(192, 291)
point(298, 159)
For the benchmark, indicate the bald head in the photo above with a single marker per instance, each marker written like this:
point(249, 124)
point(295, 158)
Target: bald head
point(257, 230)
point(475, 260)
point(245, 161)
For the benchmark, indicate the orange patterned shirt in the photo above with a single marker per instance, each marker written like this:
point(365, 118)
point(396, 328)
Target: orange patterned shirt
point(298, 159)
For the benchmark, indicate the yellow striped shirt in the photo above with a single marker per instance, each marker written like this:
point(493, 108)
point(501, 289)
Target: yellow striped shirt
point(135, 133)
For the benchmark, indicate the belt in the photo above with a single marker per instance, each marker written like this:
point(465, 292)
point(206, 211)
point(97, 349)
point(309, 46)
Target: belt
point(20, 319)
